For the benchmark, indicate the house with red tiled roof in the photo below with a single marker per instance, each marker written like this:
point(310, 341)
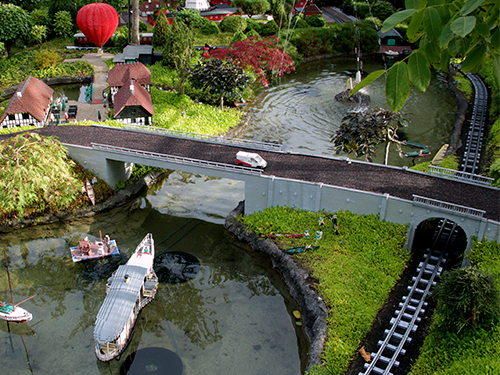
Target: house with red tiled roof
point(121, 74)
point(133, 104)
point(148, 8)
point(30, 105)
point(309, 9)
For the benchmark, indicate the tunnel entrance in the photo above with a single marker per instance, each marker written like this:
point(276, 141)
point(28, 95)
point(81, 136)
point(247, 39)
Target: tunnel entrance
point(424, 239)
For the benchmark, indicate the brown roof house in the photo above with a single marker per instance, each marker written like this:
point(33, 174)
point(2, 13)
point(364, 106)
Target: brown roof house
point(149, 7)
point(133, 104)
point(30, 105)
point(121, 74)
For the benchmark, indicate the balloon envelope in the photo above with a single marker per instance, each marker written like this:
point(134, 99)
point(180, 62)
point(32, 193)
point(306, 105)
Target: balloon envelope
point(98, 21)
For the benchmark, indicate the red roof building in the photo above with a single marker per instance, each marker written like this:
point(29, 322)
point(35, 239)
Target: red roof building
point(309, 10)
point(133, 104)
point(30, 105)
point(149, 7)
point(121, 74)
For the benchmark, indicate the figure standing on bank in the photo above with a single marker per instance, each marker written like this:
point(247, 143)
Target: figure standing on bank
point(335, 224)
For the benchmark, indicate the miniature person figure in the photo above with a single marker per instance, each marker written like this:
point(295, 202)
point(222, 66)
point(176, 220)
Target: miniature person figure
point(183, 113)
point(316, 235)
point(321, 221)
point(306, 234)
point(104, 102)
point(320, 235)
point(94, 180)
point(66, 116)
point(335, 224)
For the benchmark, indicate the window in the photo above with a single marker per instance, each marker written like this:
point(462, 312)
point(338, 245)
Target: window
point(12, 117)
point(26, 116)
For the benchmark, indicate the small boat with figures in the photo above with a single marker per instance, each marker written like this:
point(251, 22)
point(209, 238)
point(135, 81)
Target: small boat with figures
point(300, 249)
point(11, 312)
point(131, 287)
point(289, 235)
point(418, 154)
point(414, 144)
point(89, 250)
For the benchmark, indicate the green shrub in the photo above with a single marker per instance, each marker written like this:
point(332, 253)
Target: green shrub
point(269, 28)
point(301, 24)
point(40, 17)
point(45, 59)
point(316, 20)
point(192, 18)
point(233, 24)
point(238, 37)
point(210, 28)
point(362, 9)
point(252, 25)
point(382, 10)
point(251, 33)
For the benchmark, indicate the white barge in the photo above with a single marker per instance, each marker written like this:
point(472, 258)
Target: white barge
point(130, 288)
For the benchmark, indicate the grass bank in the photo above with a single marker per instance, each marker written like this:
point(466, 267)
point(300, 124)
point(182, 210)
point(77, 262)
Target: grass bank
point(355, 270)
point(471, 351)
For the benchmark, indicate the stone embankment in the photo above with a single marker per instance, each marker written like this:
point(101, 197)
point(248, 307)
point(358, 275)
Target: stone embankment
point(300, 286)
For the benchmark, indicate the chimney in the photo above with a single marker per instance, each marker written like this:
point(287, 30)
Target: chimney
point(132, 87)
point(19, 94)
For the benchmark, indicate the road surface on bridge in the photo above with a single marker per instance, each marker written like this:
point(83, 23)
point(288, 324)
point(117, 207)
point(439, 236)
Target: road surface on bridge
point(361, 176)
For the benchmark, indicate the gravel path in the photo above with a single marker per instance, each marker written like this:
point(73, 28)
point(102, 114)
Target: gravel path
point(361, 176)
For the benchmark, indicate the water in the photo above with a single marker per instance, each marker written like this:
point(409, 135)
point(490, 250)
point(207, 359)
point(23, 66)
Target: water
point(72, 92)
point(302, 112)
point(235, 316)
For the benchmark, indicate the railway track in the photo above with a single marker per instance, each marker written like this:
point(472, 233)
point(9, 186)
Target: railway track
point(474, 143)
point(405, 322)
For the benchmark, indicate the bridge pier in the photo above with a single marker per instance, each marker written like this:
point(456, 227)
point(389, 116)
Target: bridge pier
point(111, 171)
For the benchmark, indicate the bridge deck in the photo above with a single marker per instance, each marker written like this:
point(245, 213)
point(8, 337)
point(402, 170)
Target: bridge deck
point(362, 176)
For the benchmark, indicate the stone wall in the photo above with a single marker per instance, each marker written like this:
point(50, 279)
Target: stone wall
point(310, 303)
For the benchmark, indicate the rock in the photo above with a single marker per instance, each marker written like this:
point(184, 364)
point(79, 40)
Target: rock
point(358, 97)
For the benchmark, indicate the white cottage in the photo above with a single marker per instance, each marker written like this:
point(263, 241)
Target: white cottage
point(30, 105)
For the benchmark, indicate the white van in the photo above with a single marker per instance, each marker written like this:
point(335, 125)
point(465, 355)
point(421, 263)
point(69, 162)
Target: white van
point(250, 159)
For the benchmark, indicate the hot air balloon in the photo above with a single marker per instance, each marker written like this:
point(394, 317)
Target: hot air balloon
point(98, 21)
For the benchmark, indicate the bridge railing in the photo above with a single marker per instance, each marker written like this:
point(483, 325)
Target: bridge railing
point(445, 206)
point(461, 175)
point(177, 159)
point(248, 143)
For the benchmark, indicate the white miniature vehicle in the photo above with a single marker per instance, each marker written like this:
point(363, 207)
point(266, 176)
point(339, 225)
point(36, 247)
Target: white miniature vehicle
point(250, 159)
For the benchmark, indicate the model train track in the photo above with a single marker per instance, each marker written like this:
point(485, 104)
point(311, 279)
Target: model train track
point(474, 143)
point(405, 322)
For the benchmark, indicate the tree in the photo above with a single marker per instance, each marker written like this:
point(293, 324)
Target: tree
point(467, 297)
point(14, 25)
point(464, 29)
point(60, 5)
point(361, 132)
point(63, 24)
point(218, 77)
point(382, 10)
point(253, 7)
point(35, 172)
point(178, 51)
point(261, 55)
point(135, 22)
point(233, 24)
point(237, 37)
point(38, 33)
point(161, 31)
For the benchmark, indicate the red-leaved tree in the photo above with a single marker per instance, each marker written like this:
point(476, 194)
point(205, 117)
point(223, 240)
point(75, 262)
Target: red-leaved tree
point(262, 55)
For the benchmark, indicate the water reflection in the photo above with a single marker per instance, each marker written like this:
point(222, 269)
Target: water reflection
point(232, 317)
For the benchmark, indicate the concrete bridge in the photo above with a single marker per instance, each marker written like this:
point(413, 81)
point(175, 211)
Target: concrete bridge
point(308, 182)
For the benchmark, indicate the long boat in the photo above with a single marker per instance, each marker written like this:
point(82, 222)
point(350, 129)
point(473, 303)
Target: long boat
point(418, 154)
point(11, 312)
point(89, 250)
point(90, 191)
point(300, 249)
point(131, 287)
point(291, 235)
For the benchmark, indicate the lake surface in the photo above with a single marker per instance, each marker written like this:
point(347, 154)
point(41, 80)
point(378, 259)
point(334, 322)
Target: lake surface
point(235, 315)
point(302, 112)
